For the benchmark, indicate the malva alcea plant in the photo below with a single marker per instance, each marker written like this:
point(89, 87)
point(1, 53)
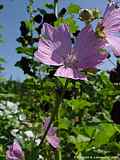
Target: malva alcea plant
point(78, 105)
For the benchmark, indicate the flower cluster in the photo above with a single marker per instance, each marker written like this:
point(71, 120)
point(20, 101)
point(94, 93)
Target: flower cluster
point(55, 47)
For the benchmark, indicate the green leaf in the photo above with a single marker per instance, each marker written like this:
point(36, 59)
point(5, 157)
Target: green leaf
point(73, 9)
point(106, 131)
point(72, 24)
point(69, 21)
point(78, 103)
point(90, 130)
point(28, 51)
point(2, 69)
point(82, 138)
point(64, 123)
point(29, 24)
point(2, 79)
point(72, 139)
point(105, 79)
point(2, 60)
point(80, 141)
point(49, 5)
point(2, 157)
point(9, 95)
point(58, 22)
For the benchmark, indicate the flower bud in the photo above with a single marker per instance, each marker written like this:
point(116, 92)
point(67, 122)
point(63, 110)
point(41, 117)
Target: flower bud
point(86, 15)
point(96, 13)
point(38, 18)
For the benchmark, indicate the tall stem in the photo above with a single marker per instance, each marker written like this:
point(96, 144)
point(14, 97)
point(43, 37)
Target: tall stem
point(55, 112)
point(51, 120)
point(57, 104)
point(59, 117)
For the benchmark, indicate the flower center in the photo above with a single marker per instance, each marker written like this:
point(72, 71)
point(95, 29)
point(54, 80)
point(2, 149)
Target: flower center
point(71, 60)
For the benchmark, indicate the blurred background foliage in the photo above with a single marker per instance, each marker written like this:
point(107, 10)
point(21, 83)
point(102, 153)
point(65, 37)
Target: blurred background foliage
point(89, 115)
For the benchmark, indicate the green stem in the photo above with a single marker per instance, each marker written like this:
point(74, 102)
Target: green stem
point(58, 102)
point(58, 117)
point(59, 152)
point(55, 111)
point(51, 120)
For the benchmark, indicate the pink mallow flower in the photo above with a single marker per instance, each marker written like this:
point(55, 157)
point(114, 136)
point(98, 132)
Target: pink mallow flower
point(51, 135)
point(56, 49)
point(15, 152)
point(109, 27)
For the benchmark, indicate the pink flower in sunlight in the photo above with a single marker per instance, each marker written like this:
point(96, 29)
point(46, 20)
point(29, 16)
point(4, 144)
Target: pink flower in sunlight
point(51, 135)
point(57, 49)
point(15, 152)
point(109, 27)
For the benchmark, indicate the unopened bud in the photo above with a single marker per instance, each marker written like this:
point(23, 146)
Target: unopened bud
point(96, 13)
point(86, 15)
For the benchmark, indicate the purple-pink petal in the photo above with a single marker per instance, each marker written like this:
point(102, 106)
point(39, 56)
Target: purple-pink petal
point(70, 73)
point(45, 51)
point(51, 135)
point(62, 35)
point(114, 42)
point(53, 140)
point(48, 31)
point(111, 24)
point(110, 7)
point(111, 18)
point(14, 152)
point(87, 49)
point(46, 122)
point(53, 50)
point(52, 130)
